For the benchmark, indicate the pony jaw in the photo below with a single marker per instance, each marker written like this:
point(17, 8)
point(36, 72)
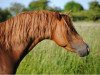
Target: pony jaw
point(69, 49)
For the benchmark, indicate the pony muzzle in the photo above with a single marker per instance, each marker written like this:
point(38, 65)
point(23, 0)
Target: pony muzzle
point(83, 51)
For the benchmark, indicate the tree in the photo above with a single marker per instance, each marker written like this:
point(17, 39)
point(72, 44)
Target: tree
point(16, 8)
point(75, 7)
point(38, 5)
point(4, 15)
point(94, 5)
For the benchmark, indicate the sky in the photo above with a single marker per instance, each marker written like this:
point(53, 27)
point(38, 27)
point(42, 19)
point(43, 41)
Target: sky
point(53, 3)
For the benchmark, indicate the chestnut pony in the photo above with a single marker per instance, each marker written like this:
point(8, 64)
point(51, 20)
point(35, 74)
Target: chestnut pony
point(21, 33)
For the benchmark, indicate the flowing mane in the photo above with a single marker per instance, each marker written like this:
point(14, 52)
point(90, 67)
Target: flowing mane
point(27, 26)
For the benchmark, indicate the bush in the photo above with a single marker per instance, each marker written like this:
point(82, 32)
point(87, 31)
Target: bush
point(4, 15)
point(86, 15)
point(75, 7)
point(94, 5)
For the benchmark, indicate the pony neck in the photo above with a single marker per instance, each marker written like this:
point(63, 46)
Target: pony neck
point(33, 41)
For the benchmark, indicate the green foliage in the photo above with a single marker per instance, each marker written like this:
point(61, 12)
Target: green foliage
point(49, 58)
point(4, 15)
point(94, 5)
point(78, 12)
point(42, 5)
point(86, 15)
point(75, 7)
point(38, 5)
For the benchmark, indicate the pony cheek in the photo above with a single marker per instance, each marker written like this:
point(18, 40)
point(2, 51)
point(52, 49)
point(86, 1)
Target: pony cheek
point(59, 40)
point(59, 36)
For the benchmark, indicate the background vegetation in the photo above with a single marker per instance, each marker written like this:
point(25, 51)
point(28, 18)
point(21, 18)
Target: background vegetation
point(78, 12)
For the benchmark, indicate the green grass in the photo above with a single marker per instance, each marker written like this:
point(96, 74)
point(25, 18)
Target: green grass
point(49, 58)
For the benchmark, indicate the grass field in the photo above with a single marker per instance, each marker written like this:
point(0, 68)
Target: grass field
point(49, 58)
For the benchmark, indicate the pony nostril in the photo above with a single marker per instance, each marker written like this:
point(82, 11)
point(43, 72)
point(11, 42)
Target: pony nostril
point(88, 48)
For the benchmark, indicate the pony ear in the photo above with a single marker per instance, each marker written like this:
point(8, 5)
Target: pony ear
point(69, 12)
point(58, 15)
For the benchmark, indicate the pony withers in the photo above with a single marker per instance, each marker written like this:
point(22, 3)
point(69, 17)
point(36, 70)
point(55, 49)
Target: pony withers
point(20, 34)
